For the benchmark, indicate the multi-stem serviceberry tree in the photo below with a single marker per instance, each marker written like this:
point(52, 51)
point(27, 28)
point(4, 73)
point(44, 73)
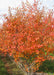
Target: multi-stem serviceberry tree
point(27, 36)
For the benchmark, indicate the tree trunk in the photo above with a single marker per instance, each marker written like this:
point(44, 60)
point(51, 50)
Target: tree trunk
point(30, 73)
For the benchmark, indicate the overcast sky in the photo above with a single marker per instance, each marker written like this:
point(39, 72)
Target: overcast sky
point(4, 4)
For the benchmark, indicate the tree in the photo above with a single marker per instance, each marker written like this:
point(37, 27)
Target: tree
point(27, 36)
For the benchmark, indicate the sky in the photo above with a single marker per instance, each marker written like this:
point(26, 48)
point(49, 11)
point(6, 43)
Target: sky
point(4, 4)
